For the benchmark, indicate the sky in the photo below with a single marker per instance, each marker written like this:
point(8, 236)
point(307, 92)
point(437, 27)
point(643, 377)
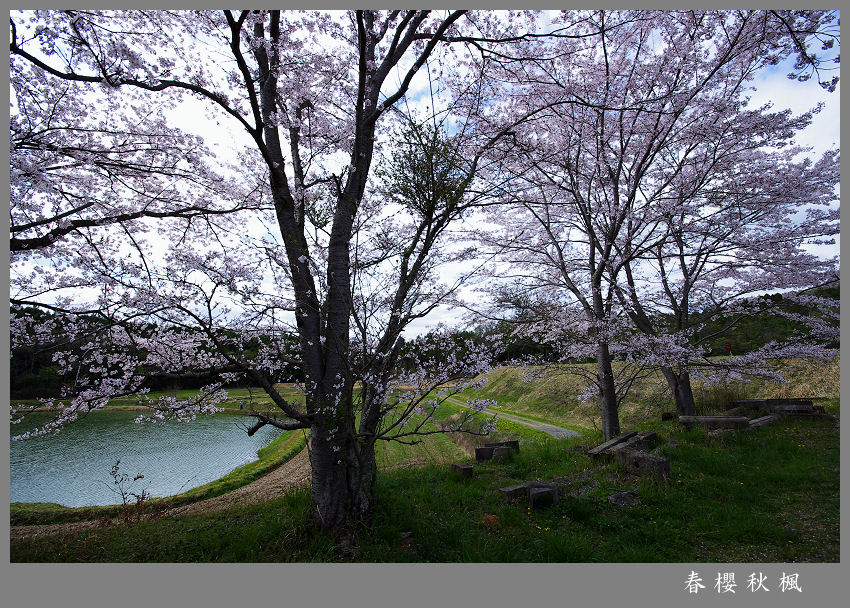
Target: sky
point(771, 85)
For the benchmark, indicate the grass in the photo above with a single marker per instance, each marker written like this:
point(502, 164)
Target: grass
point(553, 397)
point(432, 449)
point(252, 397)
point(769, 495)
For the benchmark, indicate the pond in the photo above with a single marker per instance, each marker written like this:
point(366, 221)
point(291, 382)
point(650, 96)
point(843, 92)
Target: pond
point(72, 467)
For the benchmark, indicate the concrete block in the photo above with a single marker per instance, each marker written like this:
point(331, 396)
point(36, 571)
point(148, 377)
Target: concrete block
point(610, 443)
point(515, 491)
point(513, 444)
point(542, 496)
point(716, 422)
point(482, 454)
point(462, 469)
point(644, 463)
point(764, 421)
point(502, 453)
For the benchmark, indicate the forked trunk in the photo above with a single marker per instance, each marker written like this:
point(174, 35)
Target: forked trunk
point(343, 481)
point(680, 386)
point(607, 393)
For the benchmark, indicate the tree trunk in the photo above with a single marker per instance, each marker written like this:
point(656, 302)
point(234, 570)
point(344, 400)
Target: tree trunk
point(343, 481)
point(680, 386)
point(607, 393)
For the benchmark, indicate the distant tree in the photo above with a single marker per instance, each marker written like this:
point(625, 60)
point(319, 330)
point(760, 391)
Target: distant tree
point(646, 96)
point(737, 219)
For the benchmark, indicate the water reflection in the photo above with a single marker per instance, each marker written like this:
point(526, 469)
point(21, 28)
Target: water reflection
point(72, 467)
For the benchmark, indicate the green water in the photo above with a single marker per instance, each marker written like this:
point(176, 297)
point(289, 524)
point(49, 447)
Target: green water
point(72, 467)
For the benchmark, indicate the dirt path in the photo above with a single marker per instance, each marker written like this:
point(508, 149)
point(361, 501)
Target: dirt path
point(549, 429)
point(294, 472)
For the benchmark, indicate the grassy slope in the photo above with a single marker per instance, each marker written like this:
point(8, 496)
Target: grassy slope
point(252, 397)
point(553, 398)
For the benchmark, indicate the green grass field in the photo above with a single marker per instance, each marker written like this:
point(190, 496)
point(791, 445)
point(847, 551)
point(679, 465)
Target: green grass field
point(768, 495)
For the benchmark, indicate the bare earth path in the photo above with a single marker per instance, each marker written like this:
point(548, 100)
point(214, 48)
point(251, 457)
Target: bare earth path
point(294, 472)
point(549, 429)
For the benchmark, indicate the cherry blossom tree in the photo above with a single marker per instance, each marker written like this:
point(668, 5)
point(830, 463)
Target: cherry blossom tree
point(572, 122)
point(72, 170)
point(305, 248)
point(645, 94)
point(737, 224)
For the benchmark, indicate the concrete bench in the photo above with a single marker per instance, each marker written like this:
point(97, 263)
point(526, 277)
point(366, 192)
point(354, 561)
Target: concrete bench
point(512, 444)
point(715, 422)
point(493, 453)
point(764, 421)
point(597, 451)
point(539, 493)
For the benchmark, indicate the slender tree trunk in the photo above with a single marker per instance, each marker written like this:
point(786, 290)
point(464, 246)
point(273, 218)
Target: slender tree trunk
point(680, 387)
point(343, 481)
point(607, 393)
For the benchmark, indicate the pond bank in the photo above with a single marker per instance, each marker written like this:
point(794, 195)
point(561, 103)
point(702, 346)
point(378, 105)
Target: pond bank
point(214, 456)
point(293, 472)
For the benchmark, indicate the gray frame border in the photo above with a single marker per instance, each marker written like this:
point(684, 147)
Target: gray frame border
point(414, 585)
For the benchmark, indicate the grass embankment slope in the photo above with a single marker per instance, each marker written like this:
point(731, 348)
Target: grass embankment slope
point(769, 495)
point(553, 397)
point(239, 400)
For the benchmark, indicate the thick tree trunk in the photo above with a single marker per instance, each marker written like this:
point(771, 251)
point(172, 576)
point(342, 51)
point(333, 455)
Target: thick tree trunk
point(607, 393)
point(343, 481)
point(680, 386)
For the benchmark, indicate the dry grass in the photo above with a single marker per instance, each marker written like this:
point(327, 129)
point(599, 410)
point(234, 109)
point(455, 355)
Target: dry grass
point(554, 396)
point(807, 380)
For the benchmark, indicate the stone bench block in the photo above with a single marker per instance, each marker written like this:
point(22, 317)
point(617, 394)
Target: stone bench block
point(482, 454)
point(793, 408)
point(641, 463)
point(513, 444)
point(643, 441)
point(515, 491)
point(764, 421)
point(610, 443)
point(716, 422)
point(462, 469)
point(776, 405)
point(502, 453)
point(540, 496)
